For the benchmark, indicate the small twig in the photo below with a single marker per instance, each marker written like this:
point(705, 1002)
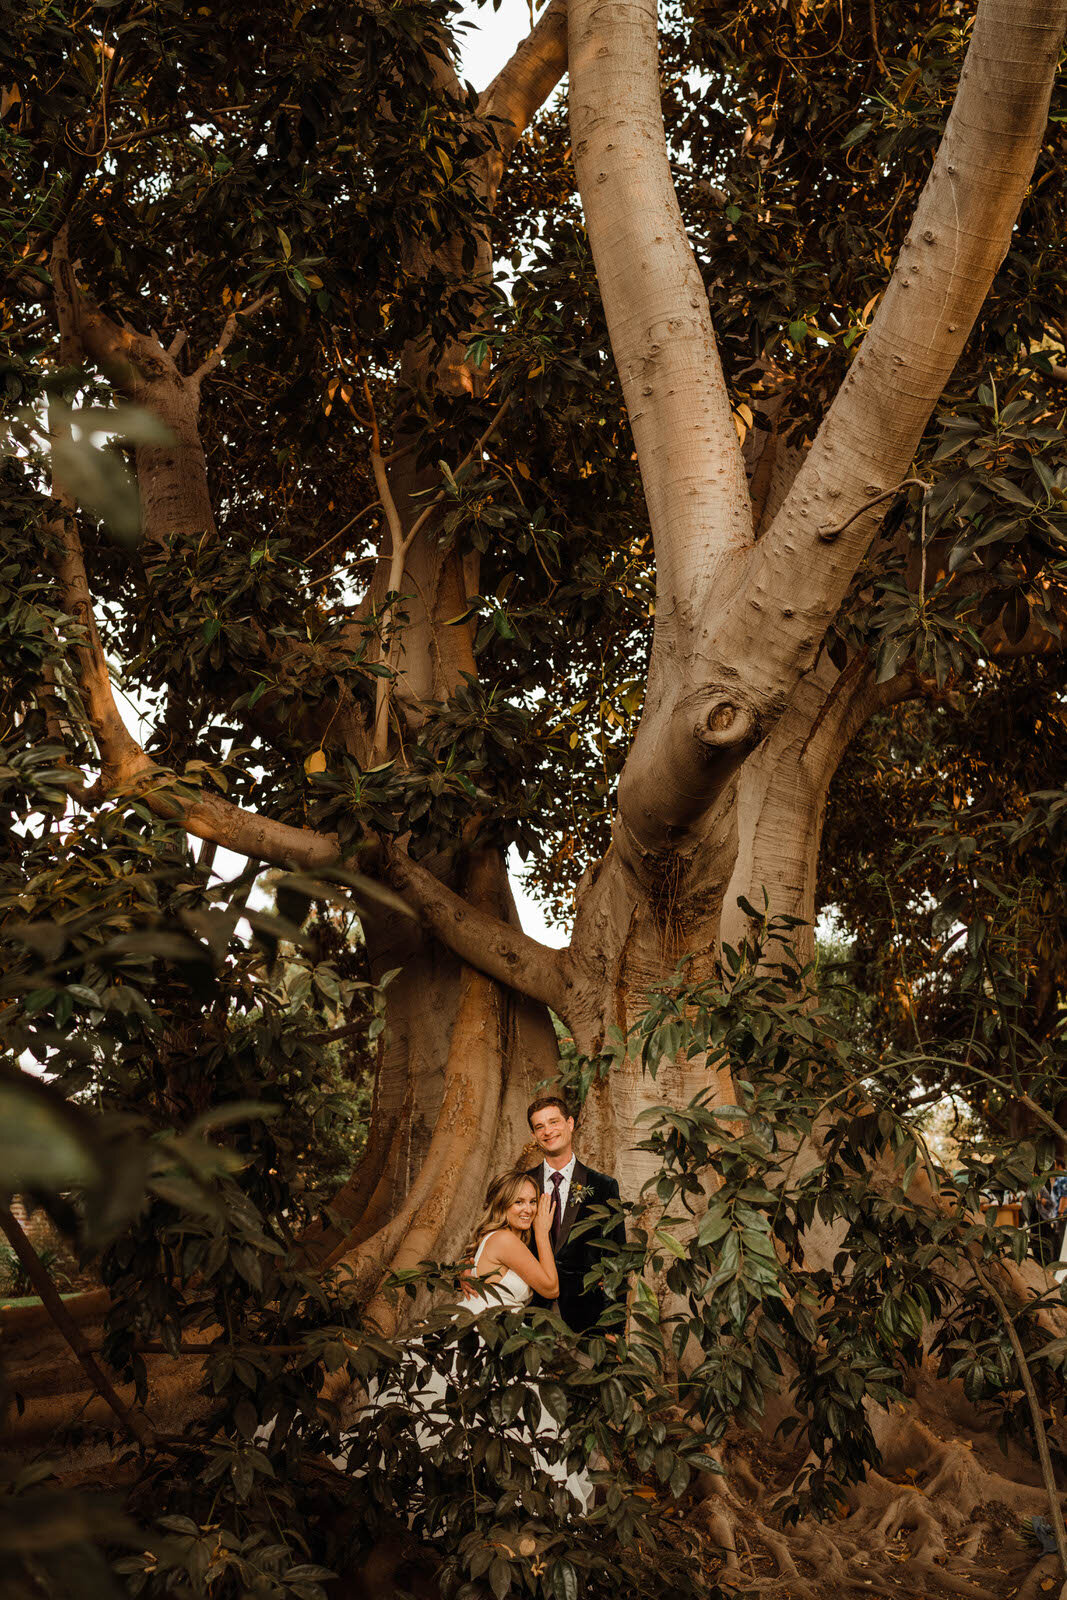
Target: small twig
point(346, 566)
point(35, 1271)
point(475, 449)
point(1040, 1437)
point(872, 12)
point(229, 328)
point(829, 532)
point(333, 536)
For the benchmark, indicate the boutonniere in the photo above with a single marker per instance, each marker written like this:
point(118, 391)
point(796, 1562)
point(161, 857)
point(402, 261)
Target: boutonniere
point(579, 1192)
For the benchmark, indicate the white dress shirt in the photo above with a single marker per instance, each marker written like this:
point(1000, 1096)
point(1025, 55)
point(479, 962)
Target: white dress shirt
point(567, 1174)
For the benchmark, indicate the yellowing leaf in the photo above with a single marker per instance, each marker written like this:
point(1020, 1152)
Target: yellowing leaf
point(745, 413)
point(287, 248)
point(316, 762)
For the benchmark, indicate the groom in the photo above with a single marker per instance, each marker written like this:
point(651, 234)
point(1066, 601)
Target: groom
point(575, 1189)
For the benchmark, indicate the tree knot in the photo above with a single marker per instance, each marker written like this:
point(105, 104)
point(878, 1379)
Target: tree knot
point(726, 724)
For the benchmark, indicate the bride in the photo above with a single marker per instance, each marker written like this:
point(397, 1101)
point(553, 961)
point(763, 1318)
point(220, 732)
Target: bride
point(507, 1273)
point(503, 1259)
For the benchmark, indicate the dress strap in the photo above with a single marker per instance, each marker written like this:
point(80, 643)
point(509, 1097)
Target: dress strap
point(481, 1247)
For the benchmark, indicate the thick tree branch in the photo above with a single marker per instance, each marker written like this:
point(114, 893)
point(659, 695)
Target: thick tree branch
point(655, 304)
point(119, 752)
point(171, 477)
point(692, 469)
point(959, 235)
point(522, 86)
point(483, 940)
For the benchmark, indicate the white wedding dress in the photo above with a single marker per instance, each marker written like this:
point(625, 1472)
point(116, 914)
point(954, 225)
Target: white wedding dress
point(508, 1291)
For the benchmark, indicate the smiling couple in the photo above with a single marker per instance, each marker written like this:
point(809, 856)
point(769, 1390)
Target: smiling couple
point(545, 1207)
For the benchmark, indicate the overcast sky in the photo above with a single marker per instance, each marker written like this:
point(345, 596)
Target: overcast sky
point(491, 39)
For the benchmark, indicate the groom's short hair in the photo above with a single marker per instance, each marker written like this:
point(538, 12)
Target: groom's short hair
point(543, 1102)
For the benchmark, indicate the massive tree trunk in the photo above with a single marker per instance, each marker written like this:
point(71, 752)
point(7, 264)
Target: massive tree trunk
point(724, 788)
point(744, 724)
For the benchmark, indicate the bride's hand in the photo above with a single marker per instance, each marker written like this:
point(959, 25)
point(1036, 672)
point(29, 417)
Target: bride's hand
point(542, 1223)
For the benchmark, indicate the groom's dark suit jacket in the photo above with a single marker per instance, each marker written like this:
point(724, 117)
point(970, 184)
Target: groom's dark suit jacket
point(580, 1306)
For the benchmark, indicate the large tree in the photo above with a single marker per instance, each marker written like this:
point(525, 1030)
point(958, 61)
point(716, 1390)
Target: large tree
point(584, 483)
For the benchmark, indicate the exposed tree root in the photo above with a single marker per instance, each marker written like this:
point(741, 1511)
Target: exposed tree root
point(939, 1520)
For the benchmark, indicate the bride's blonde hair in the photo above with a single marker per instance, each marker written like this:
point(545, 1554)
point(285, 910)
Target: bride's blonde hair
point(502, 1193)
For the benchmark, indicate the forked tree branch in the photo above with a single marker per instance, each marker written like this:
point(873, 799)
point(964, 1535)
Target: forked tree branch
point(172, 476)
point(211, 361)
point(714, 698)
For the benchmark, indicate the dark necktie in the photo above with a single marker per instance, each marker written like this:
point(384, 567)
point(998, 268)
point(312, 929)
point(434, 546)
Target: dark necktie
point(557, 1216)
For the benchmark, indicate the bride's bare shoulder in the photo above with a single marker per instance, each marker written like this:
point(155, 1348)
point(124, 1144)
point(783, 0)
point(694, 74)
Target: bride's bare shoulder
point(501, 1249)
point(488, 1251)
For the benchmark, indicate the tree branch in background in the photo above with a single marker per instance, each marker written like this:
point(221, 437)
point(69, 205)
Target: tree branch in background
point(138, 1429)
point(211, 361)
point(522, 86)
point(1040, 1436)
point(400, 544)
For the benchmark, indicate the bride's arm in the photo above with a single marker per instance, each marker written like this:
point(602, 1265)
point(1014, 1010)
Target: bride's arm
point(505, 1249)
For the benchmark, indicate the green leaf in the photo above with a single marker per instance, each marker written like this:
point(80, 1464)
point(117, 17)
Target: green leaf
point(854, 135)
point(44, 1142)
point(564, 1581)
point(500, 1577)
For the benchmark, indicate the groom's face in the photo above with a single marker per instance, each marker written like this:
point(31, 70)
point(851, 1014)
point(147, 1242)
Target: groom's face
point(553, 1131)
